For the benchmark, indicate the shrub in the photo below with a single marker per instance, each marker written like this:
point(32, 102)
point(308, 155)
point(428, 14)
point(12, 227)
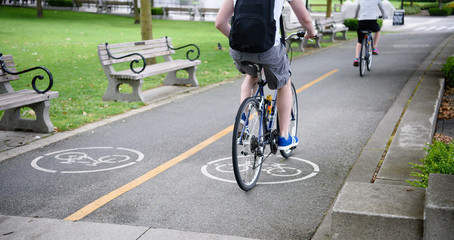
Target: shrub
point(60, 3)
point(157, 11)
point(440, 159)
point(422, 6)
point(352, 23)
point(440, 12)
point(448, 70)
point(451, 6)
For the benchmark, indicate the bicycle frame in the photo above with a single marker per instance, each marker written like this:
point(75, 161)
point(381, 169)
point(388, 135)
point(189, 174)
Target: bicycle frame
point(260, 95)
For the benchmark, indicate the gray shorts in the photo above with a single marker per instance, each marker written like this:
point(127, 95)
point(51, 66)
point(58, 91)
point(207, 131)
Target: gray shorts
point(275, 60)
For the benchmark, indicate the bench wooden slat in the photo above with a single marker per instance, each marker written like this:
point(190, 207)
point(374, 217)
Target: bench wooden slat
point(148, 49)
point(9, 63)
point(116, 49)
point(23, 98)
point(137, 44)
point(106, 60)
point(155, 69)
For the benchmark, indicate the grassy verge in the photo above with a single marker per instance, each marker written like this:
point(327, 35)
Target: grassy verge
point(66, 43)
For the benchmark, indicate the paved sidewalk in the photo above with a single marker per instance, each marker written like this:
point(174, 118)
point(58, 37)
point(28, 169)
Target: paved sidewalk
point(376, 202)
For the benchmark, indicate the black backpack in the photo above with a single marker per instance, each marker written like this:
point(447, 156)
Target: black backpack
point(253, 26)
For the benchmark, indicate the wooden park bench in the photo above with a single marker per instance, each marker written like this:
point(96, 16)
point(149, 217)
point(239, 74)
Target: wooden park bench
point(94, 3)
point(107, 5)
point(136, 52)
point(204, 11)
point(180, 10)
point(11, 101)
point(331, 27)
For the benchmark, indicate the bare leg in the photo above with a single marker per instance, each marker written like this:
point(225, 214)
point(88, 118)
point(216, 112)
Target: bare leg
point(376, 38)
point(248, 87)
point(284, 107)
point(357, 50)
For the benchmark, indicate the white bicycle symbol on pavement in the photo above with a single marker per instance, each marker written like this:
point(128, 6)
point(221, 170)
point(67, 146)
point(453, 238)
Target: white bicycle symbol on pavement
point(274, 169)
point(277, 172)
point(87, 160)
point(83, 158)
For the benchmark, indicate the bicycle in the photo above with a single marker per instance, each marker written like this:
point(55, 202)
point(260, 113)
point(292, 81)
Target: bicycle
point(255, 128)
point(365, 55)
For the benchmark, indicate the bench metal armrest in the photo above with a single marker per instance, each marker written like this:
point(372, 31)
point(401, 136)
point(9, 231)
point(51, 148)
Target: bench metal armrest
point(40, 77)
point(131, 65)
point(188, 52)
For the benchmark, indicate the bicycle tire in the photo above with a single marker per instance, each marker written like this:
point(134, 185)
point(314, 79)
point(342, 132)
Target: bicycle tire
point(369, 55)
point(362, 58)
point(246, 144)
point(293, 126)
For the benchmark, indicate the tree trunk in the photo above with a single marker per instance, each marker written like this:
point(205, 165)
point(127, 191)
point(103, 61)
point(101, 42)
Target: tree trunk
point(440, 4)
point(136, 13)
point(146, 24)
point(328, 8)
point(39, 9)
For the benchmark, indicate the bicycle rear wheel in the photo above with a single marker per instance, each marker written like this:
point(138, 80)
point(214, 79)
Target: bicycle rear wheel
point(369, 55)
point(293, 126)
point(362, 58)
point(247, 144)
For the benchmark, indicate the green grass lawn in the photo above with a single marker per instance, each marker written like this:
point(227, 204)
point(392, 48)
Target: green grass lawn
point(66, 43)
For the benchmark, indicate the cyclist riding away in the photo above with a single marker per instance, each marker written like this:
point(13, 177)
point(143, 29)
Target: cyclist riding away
point(367, 12)
point(275, 59)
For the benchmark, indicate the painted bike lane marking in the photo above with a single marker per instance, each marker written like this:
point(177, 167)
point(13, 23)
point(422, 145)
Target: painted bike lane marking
point(83, 212)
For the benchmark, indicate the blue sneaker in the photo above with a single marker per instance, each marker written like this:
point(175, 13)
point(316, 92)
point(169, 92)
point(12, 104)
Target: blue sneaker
point(287, 143)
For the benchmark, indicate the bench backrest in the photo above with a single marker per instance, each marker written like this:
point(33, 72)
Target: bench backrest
point(9, 63)
point(324, 24)
point(147, 48)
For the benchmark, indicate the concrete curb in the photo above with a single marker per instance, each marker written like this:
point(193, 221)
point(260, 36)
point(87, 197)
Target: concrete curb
point(376, 202)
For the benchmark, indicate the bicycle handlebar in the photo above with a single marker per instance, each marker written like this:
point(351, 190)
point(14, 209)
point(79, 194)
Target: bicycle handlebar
point(300, 34)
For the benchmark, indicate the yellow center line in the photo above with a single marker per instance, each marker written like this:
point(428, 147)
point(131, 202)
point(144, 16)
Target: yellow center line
point(316, 81)
point(149, 175)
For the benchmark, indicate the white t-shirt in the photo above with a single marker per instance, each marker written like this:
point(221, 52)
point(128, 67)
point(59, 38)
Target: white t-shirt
point(368, 9)
point(278, 5)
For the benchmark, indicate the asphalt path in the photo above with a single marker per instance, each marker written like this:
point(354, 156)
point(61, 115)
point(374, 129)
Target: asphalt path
point(168, 167)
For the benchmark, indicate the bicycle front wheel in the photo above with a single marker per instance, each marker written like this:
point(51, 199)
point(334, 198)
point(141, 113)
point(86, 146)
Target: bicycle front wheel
point(247, 144)
point(362, 57)
point(293, 126)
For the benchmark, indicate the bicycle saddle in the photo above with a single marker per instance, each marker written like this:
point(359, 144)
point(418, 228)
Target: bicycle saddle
point(255, 68)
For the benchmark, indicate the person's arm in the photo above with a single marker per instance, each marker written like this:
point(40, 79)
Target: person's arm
point(357, 11)
point(383, 13)
point(222, 19)
point(304, 17)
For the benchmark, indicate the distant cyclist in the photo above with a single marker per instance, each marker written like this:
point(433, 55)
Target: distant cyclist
point(367, 12)
point(275, 58)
